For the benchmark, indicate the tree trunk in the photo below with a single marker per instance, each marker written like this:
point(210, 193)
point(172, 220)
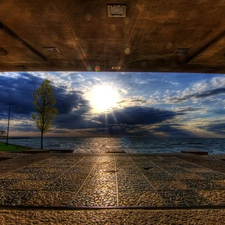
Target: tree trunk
point(42, 139)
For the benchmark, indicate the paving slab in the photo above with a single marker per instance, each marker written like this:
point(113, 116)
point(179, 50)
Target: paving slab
point(117, 182)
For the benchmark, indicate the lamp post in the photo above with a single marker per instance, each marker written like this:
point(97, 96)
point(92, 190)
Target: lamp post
point(7, 140)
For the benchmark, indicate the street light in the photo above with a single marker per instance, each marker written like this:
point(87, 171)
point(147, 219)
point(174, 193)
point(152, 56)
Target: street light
point(16, 107)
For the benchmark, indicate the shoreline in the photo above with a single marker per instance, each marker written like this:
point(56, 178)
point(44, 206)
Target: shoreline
point(130, 145)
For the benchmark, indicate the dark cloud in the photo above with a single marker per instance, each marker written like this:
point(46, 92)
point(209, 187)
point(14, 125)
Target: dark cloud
point(218, 128)
point(135, 115)
point(128, 101)
point(122, 130)
point(138, 100)
point(111, 130)
point(160, 130)
point(173, 131)
point(216, 91)
point(72, 108)
point(189, 109)
point(123, 101)
point(73, 120)
point(17, 91)
point(203, 94)
point(127, 121)
point(67, 101)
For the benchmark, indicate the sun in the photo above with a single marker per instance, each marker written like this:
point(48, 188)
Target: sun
point(103, 97)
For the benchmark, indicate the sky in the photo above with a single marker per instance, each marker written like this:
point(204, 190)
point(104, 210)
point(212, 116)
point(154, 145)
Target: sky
point(157, 105)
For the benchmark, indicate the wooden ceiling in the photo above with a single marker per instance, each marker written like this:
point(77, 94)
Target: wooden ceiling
point(75, 35)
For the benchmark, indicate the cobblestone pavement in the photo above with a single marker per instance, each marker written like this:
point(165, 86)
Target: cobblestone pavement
point(115, 181)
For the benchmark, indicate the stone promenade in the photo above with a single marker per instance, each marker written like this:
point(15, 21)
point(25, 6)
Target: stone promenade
point(66, 188)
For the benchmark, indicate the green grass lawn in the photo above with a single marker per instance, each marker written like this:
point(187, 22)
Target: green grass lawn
point(9, 147)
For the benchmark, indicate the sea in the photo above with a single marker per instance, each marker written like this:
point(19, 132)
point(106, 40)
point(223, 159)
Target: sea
point(127, 144)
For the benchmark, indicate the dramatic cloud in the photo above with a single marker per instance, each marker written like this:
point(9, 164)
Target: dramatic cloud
point(203, 94)
point(66, 102)
point(135, 115)
point(189, 109)
point(211, 92)
point(173, 131)
point(218, 128)
point(17, 91)
point(149, 104)
point(134, 101)
point(72, 109)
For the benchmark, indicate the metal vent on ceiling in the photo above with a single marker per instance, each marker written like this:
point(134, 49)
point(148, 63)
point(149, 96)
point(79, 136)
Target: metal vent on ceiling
point(181, 50)
point(116, 10)
point(51, 49)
